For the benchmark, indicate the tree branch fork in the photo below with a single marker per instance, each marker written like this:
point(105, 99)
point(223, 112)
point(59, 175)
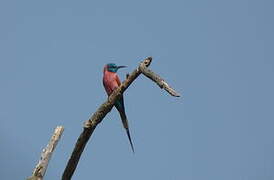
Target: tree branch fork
point(106, 107)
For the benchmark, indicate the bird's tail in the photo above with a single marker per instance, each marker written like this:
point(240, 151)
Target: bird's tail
point(125, 124)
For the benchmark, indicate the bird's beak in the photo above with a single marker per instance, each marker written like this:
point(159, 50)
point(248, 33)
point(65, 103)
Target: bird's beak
point(118, 67)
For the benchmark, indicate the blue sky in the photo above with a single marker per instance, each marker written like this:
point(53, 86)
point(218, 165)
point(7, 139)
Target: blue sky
point(217, 54)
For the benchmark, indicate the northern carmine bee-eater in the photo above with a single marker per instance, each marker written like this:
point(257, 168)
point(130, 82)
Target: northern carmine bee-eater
point(111, 81)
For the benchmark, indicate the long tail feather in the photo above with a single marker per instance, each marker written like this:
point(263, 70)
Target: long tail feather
point(125, 122)
point(128, 135)
point(121, 108)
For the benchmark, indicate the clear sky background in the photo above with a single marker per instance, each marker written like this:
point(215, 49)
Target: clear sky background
point(217, 54)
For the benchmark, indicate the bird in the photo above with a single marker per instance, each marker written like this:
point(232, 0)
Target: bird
point(111, 81)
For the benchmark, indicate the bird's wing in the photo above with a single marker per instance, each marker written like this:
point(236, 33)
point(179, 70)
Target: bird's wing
point(107, 87)
point(117, 80)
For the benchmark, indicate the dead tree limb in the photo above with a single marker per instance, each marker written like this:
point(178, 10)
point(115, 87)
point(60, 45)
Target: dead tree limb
point(158, 80)
point(101, 112)
point(40, 169)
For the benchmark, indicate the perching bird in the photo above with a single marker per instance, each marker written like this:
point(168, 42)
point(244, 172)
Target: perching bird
point(111, 81)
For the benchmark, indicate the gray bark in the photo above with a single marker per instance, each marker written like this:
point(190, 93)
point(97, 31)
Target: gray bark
point(40, 169)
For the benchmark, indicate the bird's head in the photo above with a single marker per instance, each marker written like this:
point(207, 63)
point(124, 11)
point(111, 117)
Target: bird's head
point(111, 67)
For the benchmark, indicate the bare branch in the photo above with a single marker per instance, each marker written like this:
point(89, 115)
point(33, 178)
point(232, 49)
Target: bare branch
point(158, 80)
point(41, 167)
point(98, 116)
